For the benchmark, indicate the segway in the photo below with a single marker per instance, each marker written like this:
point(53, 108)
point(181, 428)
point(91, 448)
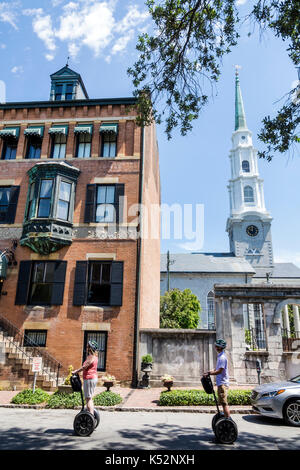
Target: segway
point(84, 423)
point(225, 429)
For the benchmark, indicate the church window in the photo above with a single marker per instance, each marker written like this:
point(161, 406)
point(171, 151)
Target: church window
point(248, 194)
point(211, 310)
point(254, 324)
point(246, 166)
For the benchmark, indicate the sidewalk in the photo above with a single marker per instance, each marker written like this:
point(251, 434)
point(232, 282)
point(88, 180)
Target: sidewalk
point(136, 400)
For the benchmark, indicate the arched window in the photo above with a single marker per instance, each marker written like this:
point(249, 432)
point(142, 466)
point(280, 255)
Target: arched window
point(245, 166)
point(211, 310)
point(248, 194)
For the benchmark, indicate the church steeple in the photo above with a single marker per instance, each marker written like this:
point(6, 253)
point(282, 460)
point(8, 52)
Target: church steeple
point(240, 116)
point(249, 223)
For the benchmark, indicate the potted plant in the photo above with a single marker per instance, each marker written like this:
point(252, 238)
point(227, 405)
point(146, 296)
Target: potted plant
point(108, 381)
point(168, 381)
point(66, 387)
point(147, 361)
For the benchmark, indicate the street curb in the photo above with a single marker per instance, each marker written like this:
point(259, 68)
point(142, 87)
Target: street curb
point(137, 409)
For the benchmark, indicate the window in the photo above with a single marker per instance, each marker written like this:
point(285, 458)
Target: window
point(84, 140)
point(245, 166)
point(58, 92)
point(64, 197)
point(35, 338)
point(4, 203)
point(44, 203)
point(9, 151)
point(8, 203)
point(59, 142)
point(101, 339)
point(34, 147)
point(105, 210)
point(41, 283)
point(104, 203)
point(248, 194)
point(29, 213)
point(254, 324)
point(69, 91)
point(211, 310)
point(109, 144)
point(99, 283)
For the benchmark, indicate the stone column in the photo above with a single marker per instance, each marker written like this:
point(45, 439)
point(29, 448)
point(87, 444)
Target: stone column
point(286, 320)
point(296, 320)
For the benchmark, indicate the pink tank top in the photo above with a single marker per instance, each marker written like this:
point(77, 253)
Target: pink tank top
point(91, 371)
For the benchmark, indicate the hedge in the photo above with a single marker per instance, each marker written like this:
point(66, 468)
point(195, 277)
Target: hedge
point(199, 397)
point(27, 397)
point(72, 400)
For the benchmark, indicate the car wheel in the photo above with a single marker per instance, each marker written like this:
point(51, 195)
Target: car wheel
point(292, 413)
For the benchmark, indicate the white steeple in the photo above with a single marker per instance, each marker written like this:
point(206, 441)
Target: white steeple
point(249, 223)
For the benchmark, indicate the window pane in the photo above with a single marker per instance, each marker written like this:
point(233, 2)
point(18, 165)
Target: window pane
point(110, 194)
point(64, 191)
point(38, 274)
point(36, 337)
point(46, 188)
point(4, 196)
point(41, 293)
point(10, 150)
point(62, 210)
point(49, 272)
point(96, 272)
point(44, 208)
point(99, 294)
point(105, 213)
point(106, 269)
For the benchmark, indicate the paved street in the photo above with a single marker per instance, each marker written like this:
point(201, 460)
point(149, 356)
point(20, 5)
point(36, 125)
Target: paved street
point(22, 429)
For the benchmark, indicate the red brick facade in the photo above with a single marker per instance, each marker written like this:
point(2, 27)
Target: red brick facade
point(136, 158)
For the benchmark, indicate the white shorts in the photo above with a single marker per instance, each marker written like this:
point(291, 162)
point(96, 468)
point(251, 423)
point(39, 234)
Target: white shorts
point(89, 386)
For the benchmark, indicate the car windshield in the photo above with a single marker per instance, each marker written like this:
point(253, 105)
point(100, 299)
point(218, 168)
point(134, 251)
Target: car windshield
point(296, 379)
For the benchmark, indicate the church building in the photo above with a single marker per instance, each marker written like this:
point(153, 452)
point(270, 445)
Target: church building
point(250, 258)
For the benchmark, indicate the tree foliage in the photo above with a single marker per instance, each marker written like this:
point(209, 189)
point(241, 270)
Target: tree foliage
point(183, 57)
point(179, 309)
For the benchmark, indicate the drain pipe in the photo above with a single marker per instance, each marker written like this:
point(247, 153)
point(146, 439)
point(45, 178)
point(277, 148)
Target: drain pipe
point(136, 340)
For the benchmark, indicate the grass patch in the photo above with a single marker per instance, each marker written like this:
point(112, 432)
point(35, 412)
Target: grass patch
point(200, 398)
point(27, 397)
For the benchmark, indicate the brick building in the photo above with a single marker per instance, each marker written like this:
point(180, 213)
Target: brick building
point(72, 170)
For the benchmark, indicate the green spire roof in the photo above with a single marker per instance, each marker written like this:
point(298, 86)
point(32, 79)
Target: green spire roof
point(240, 117)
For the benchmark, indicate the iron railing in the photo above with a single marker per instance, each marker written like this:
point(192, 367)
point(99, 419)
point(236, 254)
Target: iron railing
point(288, 337)
point(50, 366)
point(255, 339)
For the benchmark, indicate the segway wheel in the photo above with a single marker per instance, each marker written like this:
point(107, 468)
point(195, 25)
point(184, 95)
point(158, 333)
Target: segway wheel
point(226, 431)
point(84, 424)
point(97, 418)
point(215, 419)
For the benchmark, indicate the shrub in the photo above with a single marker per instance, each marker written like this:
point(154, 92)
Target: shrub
point(68, 378)
point(64, 400)
point(147, 359)
point(199, 397)
point(27, 397)
point(107, 399)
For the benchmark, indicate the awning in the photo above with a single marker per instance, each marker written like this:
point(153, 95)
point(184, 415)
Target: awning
point(10, 132)
point(3, 266)
point(112, 128)
point(35, 130)
point(59, 130)
point(83, 129)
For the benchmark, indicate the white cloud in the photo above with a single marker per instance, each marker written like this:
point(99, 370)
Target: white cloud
point(2, 46)
point(17, 69)
point(8, 13)
point(90, 23)
point(288, 257)
point(241, 2)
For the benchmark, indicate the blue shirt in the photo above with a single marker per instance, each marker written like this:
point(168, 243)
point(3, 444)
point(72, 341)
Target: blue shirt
point(223, 377)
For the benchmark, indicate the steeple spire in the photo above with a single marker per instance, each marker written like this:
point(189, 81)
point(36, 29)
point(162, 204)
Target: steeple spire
point(240, 117)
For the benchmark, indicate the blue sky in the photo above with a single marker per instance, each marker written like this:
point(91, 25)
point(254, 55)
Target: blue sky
point(99, 36)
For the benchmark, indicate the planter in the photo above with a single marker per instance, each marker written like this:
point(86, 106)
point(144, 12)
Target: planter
point(108, 385)
point(65, 389)
point(168, 384)
point(146, 365)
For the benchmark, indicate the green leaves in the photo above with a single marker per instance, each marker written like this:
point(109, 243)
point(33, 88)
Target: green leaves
point(27, 397)
point(199, 397)
point(179, 309)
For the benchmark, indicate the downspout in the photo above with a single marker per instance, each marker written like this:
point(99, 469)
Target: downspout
point(136, 340)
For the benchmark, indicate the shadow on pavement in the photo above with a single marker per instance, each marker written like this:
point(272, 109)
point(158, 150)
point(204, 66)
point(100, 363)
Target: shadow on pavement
point(265, 420)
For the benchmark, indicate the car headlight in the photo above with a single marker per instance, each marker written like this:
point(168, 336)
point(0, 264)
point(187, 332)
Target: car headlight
point(274, 394)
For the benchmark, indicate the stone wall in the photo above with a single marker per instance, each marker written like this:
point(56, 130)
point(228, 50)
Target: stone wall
point(184, 354)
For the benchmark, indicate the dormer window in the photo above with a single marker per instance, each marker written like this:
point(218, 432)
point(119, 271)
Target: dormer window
point(69, 91)
point(58, 92)
point(67, 85)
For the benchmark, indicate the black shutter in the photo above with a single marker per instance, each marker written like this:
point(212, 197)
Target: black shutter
point(80, 283)
point(59, 283)
point(119, 202)
point(12, 207)
point(23, 282)
point(90, 202)
point(116, 288)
